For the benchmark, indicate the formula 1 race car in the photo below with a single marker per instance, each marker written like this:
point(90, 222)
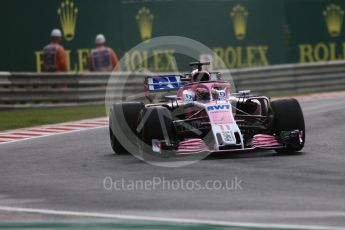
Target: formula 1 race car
point(204, 116)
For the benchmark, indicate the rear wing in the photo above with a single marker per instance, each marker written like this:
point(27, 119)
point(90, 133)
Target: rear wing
point(172, 82)
point(164, 83)
point(158, 87)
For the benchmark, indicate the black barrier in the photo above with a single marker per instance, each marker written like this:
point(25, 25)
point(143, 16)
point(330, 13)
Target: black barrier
point(45, 90)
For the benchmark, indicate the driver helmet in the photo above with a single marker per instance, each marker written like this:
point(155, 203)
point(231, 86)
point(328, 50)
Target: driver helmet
point(202, 94)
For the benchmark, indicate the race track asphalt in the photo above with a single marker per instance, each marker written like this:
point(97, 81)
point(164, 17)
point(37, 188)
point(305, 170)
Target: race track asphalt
point(66, 172)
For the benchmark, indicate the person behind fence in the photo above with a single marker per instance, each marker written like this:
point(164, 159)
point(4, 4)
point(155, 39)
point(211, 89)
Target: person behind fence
point(54, 55)
point(103, 58)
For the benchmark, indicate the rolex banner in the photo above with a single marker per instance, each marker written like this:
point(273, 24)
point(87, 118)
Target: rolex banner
point(243, 33)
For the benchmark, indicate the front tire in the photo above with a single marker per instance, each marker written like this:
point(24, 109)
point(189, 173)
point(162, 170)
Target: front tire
point(157, 124)
point(288, 116)
point(123, 120)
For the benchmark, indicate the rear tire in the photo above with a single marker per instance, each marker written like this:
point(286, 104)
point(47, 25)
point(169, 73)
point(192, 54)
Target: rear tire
point(123, 119)
point(288, 116)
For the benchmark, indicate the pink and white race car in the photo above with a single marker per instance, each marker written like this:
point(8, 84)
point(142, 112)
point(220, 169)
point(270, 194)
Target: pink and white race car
point(204, 116)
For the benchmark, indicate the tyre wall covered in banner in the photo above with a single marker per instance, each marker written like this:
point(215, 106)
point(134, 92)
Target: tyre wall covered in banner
point(246, 33)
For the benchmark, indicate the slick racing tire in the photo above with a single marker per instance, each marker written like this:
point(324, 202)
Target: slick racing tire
point(123, 119)
point(288, 116)
point(157, 124)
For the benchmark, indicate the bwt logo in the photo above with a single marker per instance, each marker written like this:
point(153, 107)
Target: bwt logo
point(218, 107)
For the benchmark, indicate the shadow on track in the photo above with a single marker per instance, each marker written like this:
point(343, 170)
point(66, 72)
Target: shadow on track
point(250, 154)
point(130, 159)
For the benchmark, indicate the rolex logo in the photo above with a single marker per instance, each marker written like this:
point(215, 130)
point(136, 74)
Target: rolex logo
point(68, 18)
point(239, 19)
point(334, 19)
point(144, 20)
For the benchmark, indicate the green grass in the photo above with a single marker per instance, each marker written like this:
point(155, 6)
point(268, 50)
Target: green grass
point(23, 118)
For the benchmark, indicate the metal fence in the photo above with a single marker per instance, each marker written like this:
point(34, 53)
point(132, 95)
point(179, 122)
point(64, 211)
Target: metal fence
point(20, 90)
